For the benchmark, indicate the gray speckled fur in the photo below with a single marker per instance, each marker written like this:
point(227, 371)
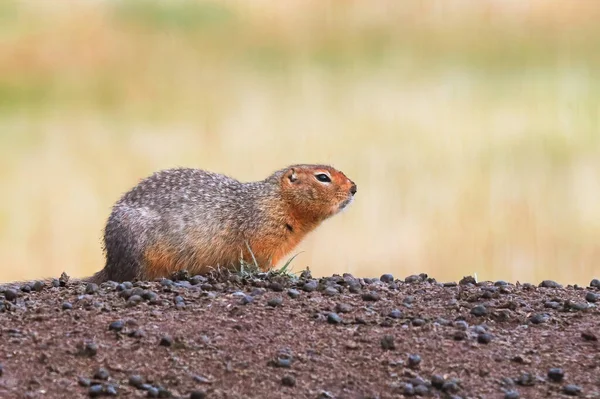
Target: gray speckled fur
point(171, 203)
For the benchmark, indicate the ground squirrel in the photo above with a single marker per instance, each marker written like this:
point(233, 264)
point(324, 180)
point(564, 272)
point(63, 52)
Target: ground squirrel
point(191, 219)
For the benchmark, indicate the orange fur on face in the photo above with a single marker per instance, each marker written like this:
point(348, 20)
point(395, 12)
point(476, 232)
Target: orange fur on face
point(311, 201)
point(307, 203)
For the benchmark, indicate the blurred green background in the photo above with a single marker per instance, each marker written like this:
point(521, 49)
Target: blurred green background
point(472, 128)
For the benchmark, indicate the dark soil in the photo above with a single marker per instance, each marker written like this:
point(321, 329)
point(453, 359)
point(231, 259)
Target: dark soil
point(337, 337)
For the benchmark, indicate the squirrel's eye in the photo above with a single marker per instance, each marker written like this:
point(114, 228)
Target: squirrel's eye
point(322, 177)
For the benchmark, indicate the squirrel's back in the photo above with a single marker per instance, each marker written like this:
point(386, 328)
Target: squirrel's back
point(194, 219)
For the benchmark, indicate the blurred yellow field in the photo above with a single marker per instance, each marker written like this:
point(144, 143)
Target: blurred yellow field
point(472, 129)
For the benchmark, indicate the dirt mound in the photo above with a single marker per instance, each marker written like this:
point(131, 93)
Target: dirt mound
point(273, 336)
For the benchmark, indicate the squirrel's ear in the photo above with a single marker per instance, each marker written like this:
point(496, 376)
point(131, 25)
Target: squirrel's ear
point(291, 175)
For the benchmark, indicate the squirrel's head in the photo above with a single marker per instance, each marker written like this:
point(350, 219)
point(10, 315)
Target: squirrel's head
point(318, 191)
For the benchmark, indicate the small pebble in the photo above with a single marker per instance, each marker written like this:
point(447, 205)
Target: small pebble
point(333, 318)
point(354, 288)
point(387, 278)
point(110, 390)
point(67, 306)
point(480, 329)
point(310, 286)
point(293, 293)
point(571, 390)
point(589, 336)
point(274, 302)
point(276, 287)
point(166, 341)
point(595, 283)
point(198, 279)
point(116, 325)
point(505, 290)
point(101, 374)
point(149, 295)
point(165, 282)
point(136, 381)
point(10, 294)
point(197, 395)
point(500, 283)
point(91, 288)
point(90, 349)
point(283, 362)
point(330, 291)
point(137, 333)
point(134, 300)
point(246, 299)
point(539, 318)
point(414, 361)
point(479, 311)
point(591, 297)
point(370, 296)
point(125, 294)
point(552, 304)
point(556, 374)
point(305, 274)
point(577, 306)
point(257, 292)
point(395, 314)
point(526, 380)
point(418, 322)
point(288, 381)
point(418, 381)
point(408, 390)
point(201, 379)
point(484, 338)
point(26, 288)
point(387, 342)
point(511, 395)
point(550, 284)
point(421, 390)
point(437, 381)
point(207, 287)
point(461, 325)
point(343, 308)
point(95, 391)
point(467, 280)
point(179, 299)
point(412, 279)
point(84, 382)
point(38, 286)
point(450, 387)
point(152, 392)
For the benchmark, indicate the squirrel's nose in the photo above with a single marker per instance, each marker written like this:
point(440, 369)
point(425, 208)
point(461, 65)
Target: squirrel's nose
point(353, 189)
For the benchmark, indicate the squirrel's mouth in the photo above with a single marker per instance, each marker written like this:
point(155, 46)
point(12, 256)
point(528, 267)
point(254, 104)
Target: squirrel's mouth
point(344, 204)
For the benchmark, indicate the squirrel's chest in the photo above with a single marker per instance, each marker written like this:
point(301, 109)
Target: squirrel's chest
point(271, 247)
